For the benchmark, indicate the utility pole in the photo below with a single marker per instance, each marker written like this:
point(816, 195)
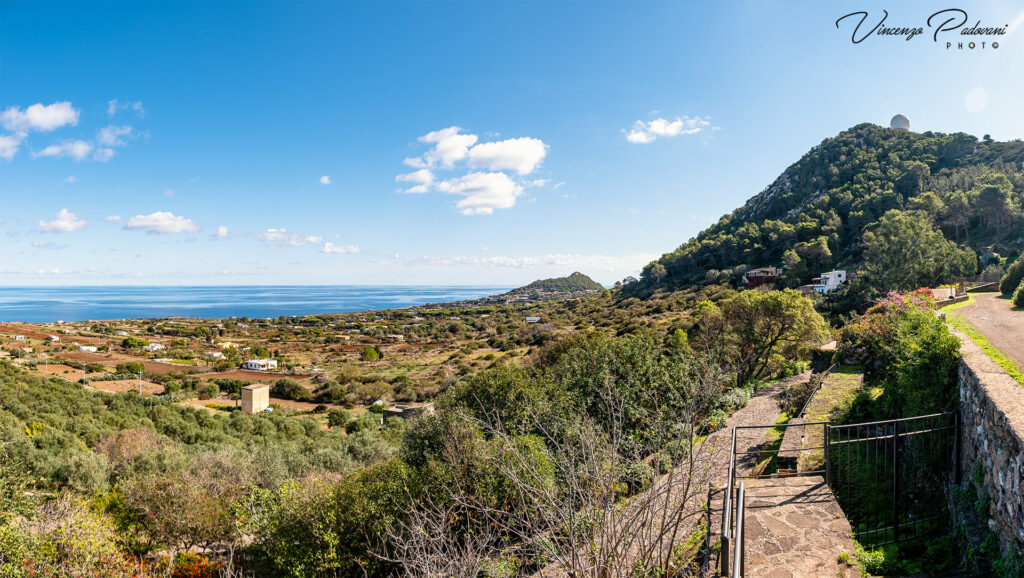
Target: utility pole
point(140, 383)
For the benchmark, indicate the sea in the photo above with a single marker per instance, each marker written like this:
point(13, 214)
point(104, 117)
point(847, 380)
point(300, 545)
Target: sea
point(49, 304)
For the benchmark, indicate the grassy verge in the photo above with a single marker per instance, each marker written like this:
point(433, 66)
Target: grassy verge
point(997, 356)
point(769, 465)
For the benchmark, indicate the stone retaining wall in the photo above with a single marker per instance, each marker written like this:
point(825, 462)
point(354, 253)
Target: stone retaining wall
point(992, 437)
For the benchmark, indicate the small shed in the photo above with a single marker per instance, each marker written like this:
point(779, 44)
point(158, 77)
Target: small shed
point(255, 398)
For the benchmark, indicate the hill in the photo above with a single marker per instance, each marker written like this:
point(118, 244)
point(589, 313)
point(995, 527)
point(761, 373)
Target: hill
point(953, 193)
point(574, 283)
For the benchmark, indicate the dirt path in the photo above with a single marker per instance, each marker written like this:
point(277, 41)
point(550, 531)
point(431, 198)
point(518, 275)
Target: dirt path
point(994, 317)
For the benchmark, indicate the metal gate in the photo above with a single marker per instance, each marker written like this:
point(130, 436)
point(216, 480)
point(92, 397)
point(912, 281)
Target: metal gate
point(888, 475)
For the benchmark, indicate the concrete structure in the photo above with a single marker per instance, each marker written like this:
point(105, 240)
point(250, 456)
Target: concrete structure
point(19, 338)
point(154, 347)
point(260, 364)
point(52, 338)
point(255, 398)
point(830, 281)
point(87, 348)
point(900, 122)
point(760, 276)
point(121, 333)
point(533, 319)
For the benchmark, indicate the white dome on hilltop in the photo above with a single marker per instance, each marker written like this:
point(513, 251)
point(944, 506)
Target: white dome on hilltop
point(900, 122)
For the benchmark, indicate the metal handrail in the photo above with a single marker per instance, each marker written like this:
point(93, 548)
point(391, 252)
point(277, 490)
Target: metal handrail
point(737, 562)
point(726, 508)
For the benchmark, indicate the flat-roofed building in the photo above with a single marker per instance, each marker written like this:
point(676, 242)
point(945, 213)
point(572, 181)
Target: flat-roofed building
point(255, 398)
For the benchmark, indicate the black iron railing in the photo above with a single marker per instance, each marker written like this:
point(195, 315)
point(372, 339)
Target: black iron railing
point(886, 475)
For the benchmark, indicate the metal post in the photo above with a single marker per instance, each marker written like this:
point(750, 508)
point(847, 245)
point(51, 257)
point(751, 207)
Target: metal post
point(956, 446)
point(140, 383)
point(737, 562)
point(725, 510)
point(896, 482)
point(828, 477)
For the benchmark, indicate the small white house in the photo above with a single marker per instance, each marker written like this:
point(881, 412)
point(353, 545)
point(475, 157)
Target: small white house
point(533, 319)
point(19, 338)
point(121, 333)
point(154, 347)
point(87, 348)
point(214, 355)
point(52, 338)
point(830, 281)
point(260, 364)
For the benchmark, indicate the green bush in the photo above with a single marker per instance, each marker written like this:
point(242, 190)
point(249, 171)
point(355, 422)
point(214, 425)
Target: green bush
point(1013, 277)
point(288, 388)
point(130, 367)
point(208, 391)
point(1018, 296)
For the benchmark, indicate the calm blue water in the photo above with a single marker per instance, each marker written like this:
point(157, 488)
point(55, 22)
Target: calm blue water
point(47, 304)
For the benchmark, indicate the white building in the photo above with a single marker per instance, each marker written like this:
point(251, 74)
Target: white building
point(830, 281)
point(87, 348)
point(121, 333)
point(260, 364)
point(215, 355)
point(19, 338)
point(533, 319)
point(52, 338)
point(154, 347)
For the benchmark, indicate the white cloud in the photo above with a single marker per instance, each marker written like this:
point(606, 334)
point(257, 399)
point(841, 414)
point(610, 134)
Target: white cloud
point(222, 233)
point(976, 100)
point(423, 179)
point(76, 149)
point(283, 238)
point(111, 135)
point(65, 222)
point(450, 146)
point(113, 218)
point(103, 155)
point(623, 263)
point(330, 247)
point(522, 155)
point(415, 162)
point(70, 179)
point(161, 222)
point(39, 117)
point(48, 245)
point(645, 132)
point(483, 192)
point(169, 193)
point(325, 180)
point(113, 107)
point(9, 145)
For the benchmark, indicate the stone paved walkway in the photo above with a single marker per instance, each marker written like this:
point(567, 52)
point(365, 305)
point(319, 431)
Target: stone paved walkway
point(794, 528)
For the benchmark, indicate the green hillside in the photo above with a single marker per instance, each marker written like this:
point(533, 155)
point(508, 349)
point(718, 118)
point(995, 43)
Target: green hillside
point(954, 197)
point(574, 283)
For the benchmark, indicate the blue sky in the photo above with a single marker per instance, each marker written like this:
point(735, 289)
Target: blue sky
point(462, 143)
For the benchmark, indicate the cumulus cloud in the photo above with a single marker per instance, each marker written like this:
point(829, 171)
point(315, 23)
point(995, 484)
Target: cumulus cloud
point(111, 135)
point(222, 233)
point(113, 107)
point(325, 180)
point(422, 178)
point(76, 149)
point(9, 145)
point(522, 155)
point(161, 222)
point(330, 247)
point(39, 117)
point(645, 132)
point(65, 222)
point(283, 238)
point(450, 146)
point(482, 192)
